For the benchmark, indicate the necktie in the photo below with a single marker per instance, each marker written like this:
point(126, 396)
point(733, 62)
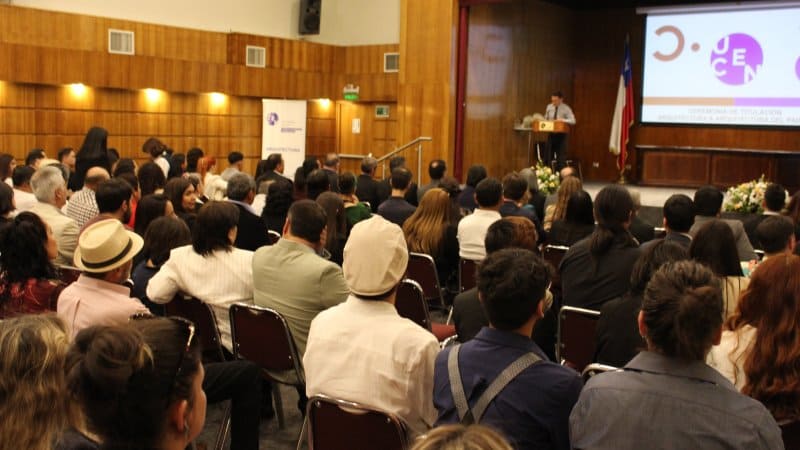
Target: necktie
point(555, 114)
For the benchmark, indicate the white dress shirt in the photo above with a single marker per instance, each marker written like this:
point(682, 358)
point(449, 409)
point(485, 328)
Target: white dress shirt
point(219, 279)
point(363, 351)
point(472, 232)
point(728, 357)
point(24, 200)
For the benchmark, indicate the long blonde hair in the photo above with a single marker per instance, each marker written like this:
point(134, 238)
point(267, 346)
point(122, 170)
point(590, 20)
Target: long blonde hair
point(459, 437)
point(568, 186)
point(35, 408)
point(425, 228)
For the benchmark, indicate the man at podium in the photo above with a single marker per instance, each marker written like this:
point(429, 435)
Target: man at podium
point(557, 142)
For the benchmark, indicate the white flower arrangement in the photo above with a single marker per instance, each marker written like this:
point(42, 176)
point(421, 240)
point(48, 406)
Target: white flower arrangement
point(548, 181)
point(746, 197)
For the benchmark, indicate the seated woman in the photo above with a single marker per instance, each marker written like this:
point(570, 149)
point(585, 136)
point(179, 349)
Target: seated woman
point(163, 235)
point(355, 210)
point(715, 246)
point(35, 409)
point(336, 230)
point(760, 348)
point(280, 196)
point(431, 230)
point(617, 337)
point(558, 211)
point(667, 397)
point(181, 193)
point(151, 179)
point(214, 187)
point(150, 208)
point(210, 269)
point(28, 280)
point(578, 221)
point(140, 385)
point(7, 205)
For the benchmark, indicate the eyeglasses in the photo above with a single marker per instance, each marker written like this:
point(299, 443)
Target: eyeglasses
point(190, 335)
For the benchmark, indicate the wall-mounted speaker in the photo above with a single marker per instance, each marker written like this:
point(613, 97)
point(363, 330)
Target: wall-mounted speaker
point(310, 14)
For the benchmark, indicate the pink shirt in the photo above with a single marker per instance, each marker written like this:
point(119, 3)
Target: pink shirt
point(90, 301)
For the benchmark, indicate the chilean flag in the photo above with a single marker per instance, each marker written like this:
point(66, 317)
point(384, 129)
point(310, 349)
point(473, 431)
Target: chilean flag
point(623, 112)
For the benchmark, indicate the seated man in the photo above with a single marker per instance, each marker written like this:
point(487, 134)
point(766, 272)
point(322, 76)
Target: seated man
point(252, 232)
point(23, 193)
point(98, 297)
point(514, 189)
point(678, 219)
point(235, 163)
point(708, 204)
point(82, 206)
point(396, 209)
point(533, 396)
point(362, 350)
point(50, 190)
point(641, 230)
point(367, 189)
point(385, 186)
point(776, 234)
point(113, 201)
point(436, 170)
point(472, 228)
point(773, 203)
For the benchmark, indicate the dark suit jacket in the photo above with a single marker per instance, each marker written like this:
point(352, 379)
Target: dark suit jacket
point(642, 230)
point(385, 191)
point(750, 226)
point(272, 176)
point(509, 208)
point(567, 233)
point(333, 177)
point(617, 336)
point(671, 236)
point(743, 246)
point(367, 190)
point(252, 232)
point(537, 201)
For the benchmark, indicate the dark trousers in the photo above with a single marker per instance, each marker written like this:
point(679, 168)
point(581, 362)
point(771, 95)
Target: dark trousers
point(557, 148)
point(240, 382)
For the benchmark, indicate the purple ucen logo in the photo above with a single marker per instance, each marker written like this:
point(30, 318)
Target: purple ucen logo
point(797, 68)
point(272, 118)
point(736, 59)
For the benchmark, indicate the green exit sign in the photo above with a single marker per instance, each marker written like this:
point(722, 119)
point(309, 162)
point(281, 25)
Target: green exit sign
point(351, 96)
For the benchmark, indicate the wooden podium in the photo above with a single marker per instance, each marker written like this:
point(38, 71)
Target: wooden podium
point(550, 126)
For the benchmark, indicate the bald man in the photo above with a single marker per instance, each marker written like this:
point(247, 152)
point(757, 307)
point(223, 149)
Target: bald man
point(82, 206)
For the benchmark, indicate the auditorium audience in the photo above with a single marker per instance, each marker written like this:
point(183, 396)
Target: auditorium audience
point(28, 280)
point(436, 170)
point(214, 187)
point(385, 186)
point(558, 210)
point(535, 198)
point(113, 201)
point(211, 269)
point(336, 229)
point(430, 230)
point(667, 396)
point(776, 236)
point(66, 156)
point(460, 437)
point(310, 164)
point(124, 165)
point(532, 408)
point(679, 214)
point(93, 153)
point(104, 256)
point(319, 181)
point(23, 193)
point(514, 189)
point(7, 203)
point(708, 204)
point(472, 229)
point(252, 231)
point(35, 157)
point(773, 203)
point(235, 164)
point(466, 199)
point(597, 269)
point(714, 246)
point(330, 168)
point(82, 205)
point(759, 351)
point(163, 234)
point(51, 195)
point(279, 199)
point(290, 276)
point(151, 179)
point(617, 336)
point(578, 221)
point(35, 408)
point(183, 196)
point(177, 165)
point(193, 156)
point(388, 362)
point(641, 230)
point(367, 189)
point(396, 208)
point(271, 169)
point(7, 166)
point(150, 208)
point(453, 189)
point(354, 209)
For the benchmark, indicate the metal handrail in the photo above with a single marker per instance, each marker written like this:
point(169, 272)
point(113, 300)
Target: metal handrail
point(397, 150)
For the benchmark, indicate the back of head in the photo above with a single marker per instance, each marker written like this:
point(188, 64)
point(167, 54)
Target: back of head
point(128, 377)
point(658, 254)
point(192, 157)
point(22, 175)
point(131, 179)
point(35, 406)
point(307, 220)
point(176, 163)
point(33, 155)
point(94, 176)
point(124, 165)
point(529, 174)
point(510, 231)
point(240, 185)
point(153, 147)
point(569, 186)
point(211, 231)
point(149, 208)
point(347, 183)
point(682, 310)
point(425, 228)
point(333, 205)
point(273, 161)
point(317, 182)
point(396, 161)
point(775, 197)
point(511, 283)
point(310, 164)
point(45, 182)
point(514, 186)
point(775, 234)
point(368, 164)
point(475, 174)
point(279, 198)
point(708, 201)
point(488, 193)
point(450, 185)
point(331, 160)
point(613, 207)
point(715, 246)
point(6, 200)
point(460, 437)
point(401, 178)
point(436, 169)
point(151, 178)
point(112, 194)
point(679, 211)
point(63, 153)
point(234, 157)
point(23, 245)
point(580, 208)
point(162, 235)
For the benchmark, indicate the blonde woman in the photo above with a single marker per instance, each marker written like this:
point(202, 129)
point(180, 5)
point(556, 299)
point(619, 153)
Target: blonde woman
point(459, 437)
point(558, 211)
point(34, 411)
point(431, 230)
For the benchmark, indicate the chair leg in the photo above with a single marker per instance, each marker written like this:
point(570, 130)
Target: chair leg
point(449, 316)
point(224, 428)
point(302, 438)
point(276, 395)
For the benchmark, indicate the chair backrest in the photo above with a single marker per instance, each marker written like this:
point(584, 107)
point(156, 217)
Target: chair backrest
point(205, 322)
point(595, 368)
point(466, 274)
point(422, 269)
point(340, 425)
point(576, 336)
point(273, 237)
point(554, 253)
point(68, 274)
point(791, 434)
point(410, 303)
point(261, 335)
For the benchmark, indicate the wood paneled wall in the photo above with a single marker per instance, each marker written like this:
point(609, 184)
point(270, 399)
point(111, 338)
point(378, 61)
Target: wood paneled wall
point(519, 53)
point(377, 135)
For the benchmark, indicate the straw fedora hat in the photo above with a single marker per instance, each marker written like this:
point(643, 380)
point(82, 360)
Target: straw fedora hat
point(106, 245)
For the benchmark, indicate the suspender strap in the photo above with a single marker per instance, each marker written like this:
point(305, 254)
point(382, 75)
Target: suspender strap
point(508, 374)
